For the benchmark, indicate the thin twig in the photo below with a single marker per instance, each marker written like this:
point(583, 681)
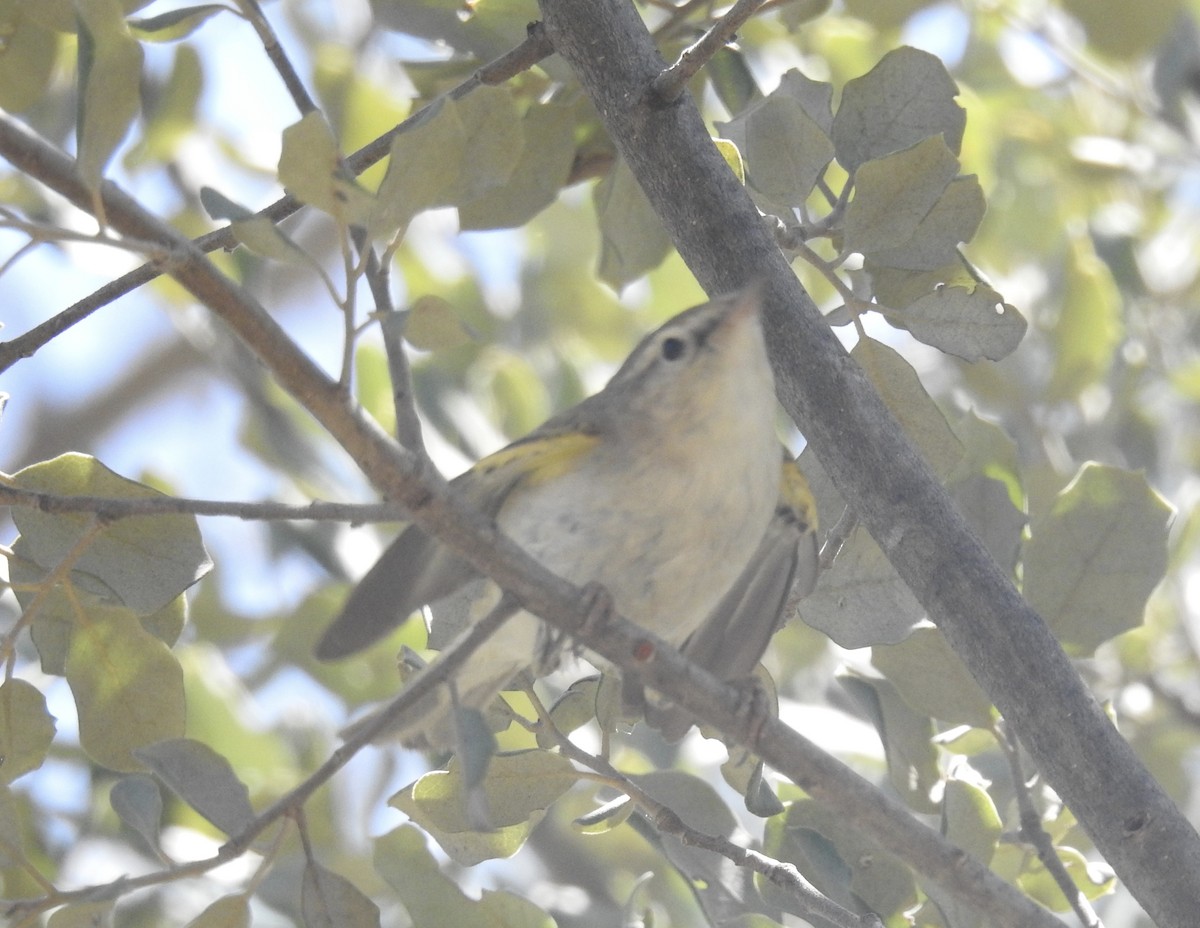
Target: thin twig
point(670, 83)
point(668, 822)
point(391, 324)
point(1035, 835)
point(110, 508)
point(533, 49)
point(291, 80)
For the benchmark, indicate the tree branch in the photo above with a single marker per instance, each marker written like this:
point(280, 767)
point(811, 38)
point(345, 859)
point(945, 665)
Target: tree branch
point(672, 81)
point(1005, 644)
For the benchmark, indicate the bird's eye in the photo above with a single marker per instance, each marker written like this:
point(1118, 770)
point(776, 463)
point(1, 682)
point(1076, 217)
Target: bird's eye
point(672, 348)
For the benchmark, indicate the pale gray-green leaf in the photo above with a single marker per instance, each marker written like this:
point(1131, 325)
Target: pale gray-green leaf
point(311, 168)
point(786, 151)
point(953, 219)
point(904, 394)
point(175, 24)
point(226, 912)
point(203, 779)
point(988, 509)
point(110, 73)
point(26, 728)
point(127, 685)
point(11, 833)
point(861, 600)
point(634, 240)
point(430, 897)
point(138, 802)
point(838, 858)
point(257, 233)
point(932, 679)
point(908, 96)
point(540, 172)
point(30, 50)
point(970, 324)
point(970, 819)
point(1094, 558)
point(329, 900)
point(894, 195)
point(432, 324)
point(427, 158)
point(912, 760)
point(492, 134)
point(146, 561)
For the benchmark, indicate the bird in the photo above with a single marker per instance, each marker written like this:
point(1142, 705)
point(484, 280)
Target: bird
point(659, 488)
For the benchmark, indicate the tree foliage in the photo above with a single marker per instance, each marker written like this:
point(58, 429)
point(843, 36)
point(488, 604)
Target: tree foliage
point(992, 204)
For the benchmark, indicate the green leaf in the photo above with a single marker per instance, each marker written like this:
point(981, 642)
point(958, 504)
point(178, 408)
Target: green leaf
point(732, 79)
point(427, 157)
point(127, 685)
point(203, 779)
point(517, 786)
point(912, 760)
point(430, 897)
point(986, 505)
point(226, 912)
point(175, 24)
point(541, 171)
point(26, 729)
point(492, 135)
point(1040, 886)
point(972, 324)
point(433, 325)
point(733, 158)
point(932, 679)
point(953, 219)
point(970, 819)
point(901, 389)
point(906, 98)
point(517, 789)
point(311, 168)
point(1094, 558)
point(11, 832)
point(144, 562)
point(138, 802)
point(329, 900)
point(786, 151)
point(257, 233)
point(27, 61)
point(894, 195)
point(837, 857)
point(497, 907)
point(990, 452)
point(633, 238)
point(573, 709)
point(110, 73)
point(861, 600)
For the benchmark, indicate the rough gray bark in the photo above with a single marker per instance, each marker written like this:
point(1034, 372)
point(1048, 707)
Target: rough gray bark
point(1006, 645)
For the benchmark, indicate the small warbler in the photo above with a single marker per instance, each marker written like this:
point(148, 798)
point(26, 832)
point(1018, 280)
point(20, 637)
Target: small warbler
point(660, 488)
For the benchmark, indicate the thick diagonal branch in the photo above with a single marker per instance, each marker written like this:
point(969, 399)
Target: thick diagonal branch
point(1006, 645)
